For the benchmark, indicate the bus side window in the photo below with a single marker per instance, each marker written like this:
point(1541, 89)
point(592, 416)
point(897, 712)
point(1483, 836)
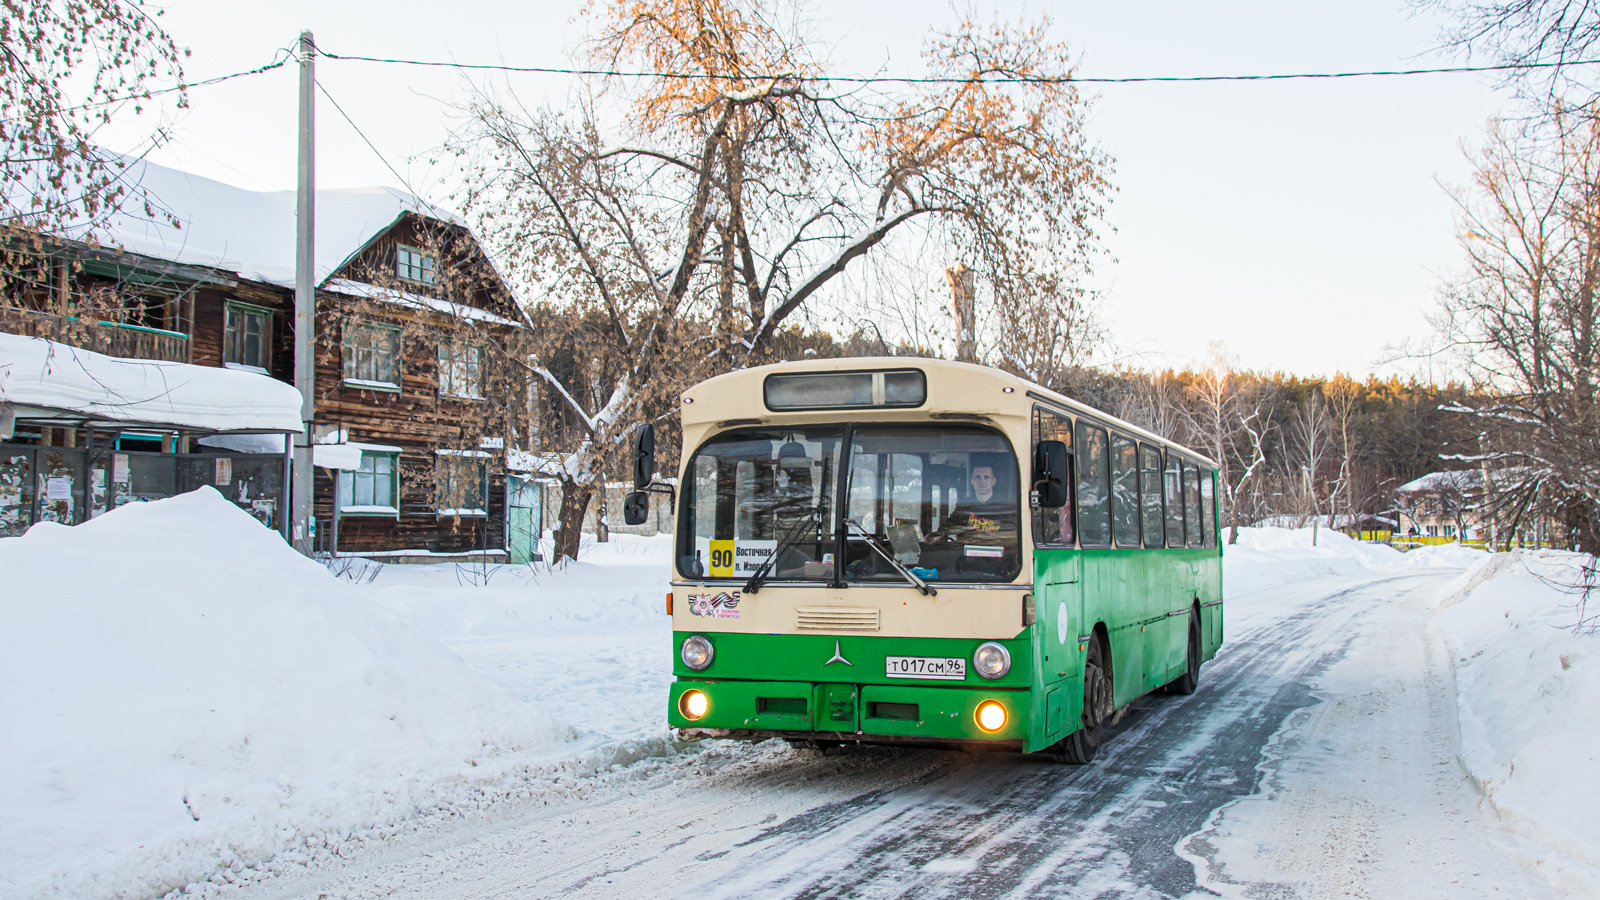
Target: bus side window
point(1150, 495)
point(1172, 488)
point(1053, 526)
point(1208, 505)
point(1094, 486)
point(1124, 491)
point(1191, 503)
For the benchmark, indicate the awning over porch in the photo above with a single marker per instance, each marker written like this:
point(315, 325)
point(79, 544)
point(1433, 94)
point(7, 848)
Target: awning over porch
point(54, 383)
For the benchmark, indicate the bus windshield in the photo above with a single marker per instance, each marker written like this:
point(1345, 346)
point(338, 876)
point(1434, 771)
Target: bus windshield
point(942, 500)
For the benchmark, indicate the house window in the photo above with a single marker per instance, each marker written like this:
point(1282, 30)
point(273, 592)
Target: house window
point(373, 489)
point(1433, 531)
point(460, 369)
point(246, 336)
point(462, 481)
point(414, 265)
point(372, 355)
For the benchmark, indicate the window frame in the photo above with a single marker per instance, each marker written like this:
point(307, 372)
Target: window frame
point(1117, 438)
point(1191, 492)
point(442, 478)
point(1172, 462)
point(446, 361)
point(1070, 521)
point(349, 361)
point(345, 486)
point(426, 267)
point(1159, 508)
point(230, 337)
point(1080, 424)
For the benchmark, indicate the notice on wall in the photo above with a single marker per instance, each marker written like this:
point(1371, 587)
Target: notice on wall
point(119, 468)
point(58, 488)
point(224, 472)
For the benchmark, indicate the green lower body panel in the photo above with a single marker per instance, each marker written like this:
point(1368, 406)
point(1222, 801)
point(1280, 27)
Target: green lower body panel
point(893, 713)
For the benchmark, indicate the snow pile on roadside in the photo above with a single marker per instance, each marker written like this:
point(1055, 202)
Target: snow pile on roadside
point(589, 641)
point(1269, 557)
point(185, 697)
point(1528, 687)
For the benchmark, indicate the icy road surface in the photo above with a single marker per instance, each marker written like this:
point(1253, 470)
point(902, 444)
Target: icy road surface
point(1316, 760)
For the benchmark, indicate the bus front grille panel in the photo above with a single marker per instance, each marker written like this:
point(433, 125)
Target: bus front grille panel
point(836, 618)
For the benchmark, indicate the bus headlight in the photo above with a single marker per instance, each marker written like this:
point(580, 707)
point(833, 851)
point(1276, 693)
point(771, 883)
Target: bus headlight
point(697, 652)
point(992, 660)
point(693, 704)
point(991, 716)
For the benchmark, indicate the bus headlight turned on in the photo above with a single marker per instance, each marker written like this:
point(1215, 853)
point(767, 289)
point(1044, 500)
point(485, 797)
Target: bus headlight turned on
point(991, 716)
point(693, 704)
point(991, 660)
point(697, 652)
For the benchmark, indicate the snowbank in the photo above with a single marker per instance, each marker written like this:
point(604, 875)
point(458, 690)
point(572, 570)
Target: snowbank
point(1528, 688)
point(603, 618)
point(183, 696)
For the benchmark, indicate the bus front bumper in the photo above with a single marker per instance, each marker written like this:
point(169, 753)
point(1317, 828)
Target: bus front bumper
point(868, 713)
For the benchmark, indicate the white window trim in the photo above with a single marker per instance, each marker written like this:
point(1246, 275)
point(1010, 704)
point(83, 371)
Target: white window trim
point(245, 368)
point(421, 267)
point(372, 385)
point(370, 510)
point(399, 359)
point(465, 512)
point(455, 394)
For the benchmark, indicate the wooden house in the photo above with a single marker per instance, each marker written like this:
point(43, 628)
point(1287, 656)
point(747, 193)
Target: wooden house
point(419, 390)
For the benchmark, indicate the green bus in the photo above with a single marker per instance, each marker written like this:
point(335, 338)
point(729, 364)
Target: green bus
point(929, 552)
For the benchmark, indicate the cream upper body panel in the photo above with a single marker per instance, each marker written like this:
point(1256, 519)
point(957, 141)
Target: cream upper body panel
point(955, 391)
point(992, 612)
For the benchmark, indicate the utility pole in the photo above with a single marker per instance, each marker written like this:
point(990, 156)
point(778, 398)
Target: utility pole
point(962, 296)
point(305, 300)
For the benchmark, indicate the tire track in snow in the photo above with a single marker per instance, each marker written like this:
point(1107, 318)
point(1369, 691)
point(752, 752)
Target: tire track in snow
point(1013, 827)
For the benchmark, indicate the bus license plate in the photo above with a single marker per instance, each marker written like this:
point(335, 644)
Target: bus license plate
point(936, 667)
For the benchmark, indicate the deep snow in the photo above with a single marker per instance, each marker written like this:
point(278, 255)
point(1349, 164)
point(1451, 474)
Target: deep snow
point(188, 700)
point(1528, 688)
point(182, 692)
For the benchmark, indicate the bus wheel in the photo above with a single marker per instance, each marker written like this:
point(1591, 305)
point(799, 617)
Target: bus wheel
point(1080, 747)
point(1186, 683)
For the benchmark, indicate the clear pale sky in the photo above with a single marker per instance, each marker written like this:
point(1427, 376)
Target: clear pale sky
point(1302, 223)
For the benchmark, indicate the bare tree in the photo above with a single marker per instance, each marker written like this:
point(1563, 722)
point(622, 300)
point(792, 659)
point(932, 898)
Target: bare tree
point(742, 184)
point(65, 70)
point(1524, 314)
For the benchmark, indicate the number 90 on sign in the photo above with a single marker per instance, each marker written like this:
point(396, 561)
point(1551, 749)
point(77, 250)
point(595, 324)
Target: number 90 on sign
point(722, 559)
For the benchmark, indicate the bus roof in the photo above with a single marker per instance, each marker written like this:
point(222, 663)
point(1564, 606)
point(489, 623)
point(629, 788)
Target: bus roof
point(737, 397)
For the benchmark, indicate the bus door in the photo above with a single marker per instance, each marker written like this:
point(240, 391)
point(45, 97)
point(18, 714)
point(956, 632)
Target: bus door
point(1059, 600)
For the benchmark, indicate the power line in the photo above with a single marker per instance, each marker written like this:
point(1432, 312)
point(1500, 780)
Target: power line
point(280, 59)
point(361, 134)
point(996, 78)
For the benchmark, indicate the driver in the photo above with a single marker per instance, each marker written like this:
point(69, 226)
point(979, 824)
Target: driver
point(985, 519)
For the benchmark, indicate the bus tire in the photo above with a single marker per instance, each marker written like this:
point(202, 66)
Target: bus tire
point(1080, 747)
point(1186, 683)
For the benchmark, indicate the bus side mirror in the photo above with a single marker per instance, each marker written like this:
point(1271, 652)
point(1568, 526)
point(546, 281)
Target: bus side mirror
point(1050, 474)
point(636, 507)
point(644, 457)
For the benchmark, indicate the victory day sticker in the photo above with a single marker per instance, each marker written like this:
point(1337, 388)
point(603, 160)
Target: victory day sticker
point(724, 605)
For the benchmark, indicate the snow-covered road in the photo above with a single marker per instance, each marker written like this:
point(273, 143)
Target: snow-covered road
point(1317, 759)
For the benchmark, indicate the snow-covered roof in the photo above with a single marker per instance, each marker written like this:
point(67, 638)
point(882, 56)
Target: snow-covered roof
point(1457, 480)
point(249, 232)
point(415, 301)
point(44, 379)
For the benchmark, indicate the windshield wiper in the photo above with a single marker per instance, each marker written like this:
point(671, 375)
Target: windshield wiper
point(926, 589)
point(753, 586)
